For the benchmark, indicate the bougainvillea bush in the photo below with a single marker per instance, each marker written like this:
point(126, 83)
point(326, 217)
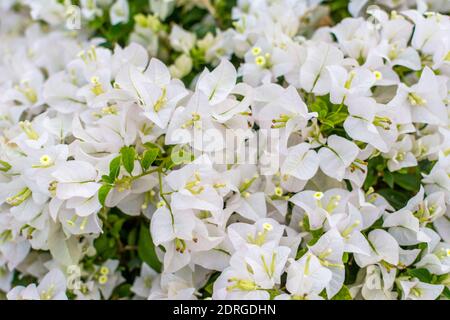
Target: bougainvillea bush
point(214, 149)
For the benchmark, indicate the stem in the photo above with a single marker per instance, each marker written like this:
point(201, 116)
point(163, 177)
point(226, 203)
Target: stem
point(161, 193)
point(145, 173)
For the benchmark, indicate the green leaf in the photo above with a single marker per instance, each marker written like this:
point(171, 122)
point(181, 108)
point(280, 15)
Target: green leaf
point(4, 166)
point(319, 106)
point(425, 166)
point(151, 145)
point(128, 156)
point(194, 15)
point(107, 179)
point(146, 249)
point(343, 294)
point(371, 179)
point(300, 253)
point(316, 236)
point(103, 193)
point(446, 292)
point(305, 223)
point(148, 158)
point(327, 123)
point(422, 274)
point(20, 279)
point(345, 257)
point(410, 182)
point(388, 177)
point(101, 243)
point(105, 247)
point(132, 236)
point(317, 233)
point(115, 231)
point(208, 287)
point(114, 167)
point(337, 118)
point(123, 291)
point(396, 198)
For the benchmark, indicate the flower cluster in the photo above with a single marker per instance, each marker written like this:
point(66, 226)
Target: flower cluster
point(279, 154)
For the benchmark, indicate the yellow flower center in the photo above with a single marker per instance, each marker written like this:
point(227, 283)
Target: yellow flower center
point(378, 75)
point(103, 279)
point(97, 88)
point(256, 51)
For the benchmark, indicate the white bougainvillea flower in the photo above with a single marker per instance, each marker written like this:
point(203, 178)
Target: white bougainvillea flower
point(189, 125)
point(180, 39)
point(314, 76)
point(301, 162)
point(384, 248)
point(329, 250)
point(417, 290)
point(438, 260)
point(319, 206)
point(374, 288)
point(437, 179)
point(164, 95)
point(193, 186)
point(251, 206)
point(423, 101)
point(24, 197)
point(236, 284)
point(371, 206)
point(182, 234)
point(371, 123)
point(427, 208)
point(356, 37)
point(62, 94)
point(72, 222)
point(51, 287)
point(399, 54)
point(251, 273)
point(75, 179)
point(42, 163)
point(14, 251)
point(129, 192)
point(119, 12)
point(267, 264)
point(356, 82)
point(174, 286)
point(133, 54)
point(27, 91)
point(350, 230)
point(265, 232)
point(404, 226)
point(285, 109)
point(336, 156)
point(109, 278)
point(306, 278)
point(143, 284)
point(216, 85)
point(167, 226)
point(429, 31)
point(400, 155)
point(153, 90)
